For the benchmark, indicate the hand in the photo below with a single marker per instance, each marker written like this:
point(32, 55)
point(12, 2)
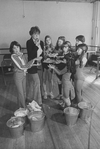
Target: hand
point(38, 58)
point(53, 55)
point(37, 42)
point(77, 62)
point(38, 64)
point(57, 61)
point(51, 66)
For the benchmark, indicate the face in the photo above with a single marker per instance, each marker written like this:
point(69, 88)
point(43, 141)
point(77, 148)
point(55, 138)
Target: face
point(78, 42)
point(48, 41)
point(60, 42)
point(65, 48)
point(36, 36)
point(79, 51)
point(16, 49)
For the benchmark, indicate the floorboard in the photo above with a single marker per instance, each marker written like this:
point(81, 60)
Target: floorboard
point(55, 134)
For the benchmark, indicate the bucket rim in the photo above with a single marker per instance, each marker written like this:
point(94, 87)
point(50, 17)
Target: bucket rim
point(23, 122)
point(43, 115)
point(87, 105)
point(71, 108)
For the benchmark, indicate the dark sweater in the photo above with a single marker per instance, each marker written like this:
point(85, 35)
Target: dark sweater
point(32, 53)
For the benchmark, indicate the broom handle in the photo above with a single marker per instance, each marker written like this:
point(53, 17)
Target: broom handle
point(89, 136)
point(90, 129)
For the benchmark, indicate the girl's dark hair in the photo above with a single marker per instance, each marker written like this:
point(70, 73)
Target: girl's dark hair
point(50, 46)
point(80, 38)
point(67, 43)
point(45, 40)
point(34, 29)
point(84, 48)
point(62, 38)
point(12, 45)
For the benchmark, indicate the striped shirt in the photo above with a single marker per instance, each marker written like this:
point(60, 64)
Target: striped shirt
point(19, 62)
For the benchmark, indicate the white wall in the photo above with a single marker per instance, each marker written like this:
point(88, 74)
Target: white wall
point(96, 25)
point(53, 18)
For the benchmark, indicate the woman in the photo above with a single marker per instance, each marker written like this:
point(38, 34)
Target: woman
point(20, 69)
point(60, 66)
point(47, 73)
point(68, 89)
point(78, 76)
point(34, 49)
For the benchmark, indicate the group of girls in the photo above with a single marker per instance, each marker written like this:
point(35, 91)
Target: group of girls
point(68, 66)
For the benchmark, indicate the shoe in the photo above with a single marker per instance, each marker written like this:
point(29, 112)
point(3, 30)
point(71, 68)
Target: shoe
point(27, 101)
point(62, 105)
point(67, 101)
point(45, 96)
point(51, 95)
point(59, 97)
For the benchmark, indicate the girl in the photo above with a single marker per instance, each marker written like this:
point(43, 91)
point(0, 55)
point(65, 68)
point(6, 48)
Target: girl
point(80, 39)
point(60, 66)
point(35, 48)
point(68, 89)
point(47, 73)
point(78, 76)
point(20, 69)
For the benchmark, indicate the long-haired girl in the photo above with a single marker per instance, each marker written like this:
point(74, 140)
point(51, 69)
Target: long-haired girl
point(78, 76)
point(47, 73)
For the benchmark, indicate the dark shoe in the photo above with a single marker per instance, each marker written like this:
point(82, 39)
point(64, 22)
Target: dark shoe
point(59, 97)
point(27, 101)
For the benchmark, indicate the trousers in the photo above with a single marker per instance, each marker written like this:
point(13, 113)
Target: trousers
point(20, 82)
point(34, 92)
point(68, 88)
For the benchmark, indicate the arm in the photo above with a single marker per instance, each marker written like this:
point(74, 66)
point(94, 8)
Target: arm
point(59, 72)
point(81, 63)
point(84, 61)
point(31, 63)
point(19, 64)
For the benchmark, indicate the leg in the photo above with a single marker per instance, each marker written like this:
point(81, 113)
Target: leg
point(72, 92)
point(66, 89)
point(36, 88)
point(45, 76)
point(78, 89)
point(30, 88)
point(24, 87)
point(50, 83)
point(18, 78)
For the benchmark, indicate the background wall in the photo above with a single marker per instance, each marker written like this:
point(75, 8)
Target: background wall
point(53, 18)
point(96, 25)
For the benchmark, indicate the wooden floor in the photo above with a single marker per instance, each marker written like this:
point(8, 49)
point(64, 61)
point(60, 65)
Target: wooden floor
point(55, 134)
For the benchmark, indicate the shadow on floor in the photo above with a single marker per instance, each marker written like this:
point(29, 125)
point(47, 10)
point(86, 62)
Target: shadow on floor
point(59, 118)
point(4, 130)
point(52, 103)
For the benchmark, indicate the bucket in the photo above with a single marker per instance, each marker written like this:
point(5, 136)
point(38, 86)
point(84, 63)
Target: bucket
point(37, 120)
point(71, 115)
point(85, 110)
point(16, 126)
point(21, 112)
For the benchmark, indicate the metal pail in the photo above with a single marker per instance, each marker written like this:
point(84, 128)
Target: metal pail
point(16, 126)
point(85, 110)
point(37, 120)
point(71, 115)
